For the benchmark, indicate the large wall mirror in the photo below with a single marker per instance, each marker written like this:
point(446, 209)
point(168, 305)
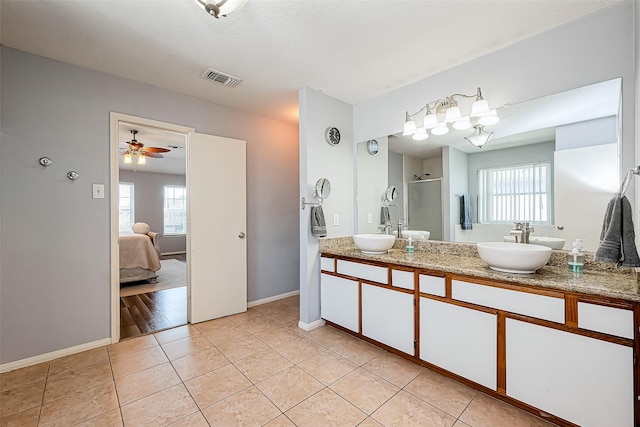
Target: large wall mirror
point(553, 161)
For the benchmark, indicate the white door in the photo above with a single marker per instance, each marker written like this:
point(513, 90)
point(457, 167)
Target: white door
point(216, 242)
point(388, 317)
point(339, 301)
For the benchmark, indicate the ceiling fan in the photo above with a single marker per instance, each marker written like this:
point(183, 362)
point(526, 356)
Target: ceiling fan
point(137, 150)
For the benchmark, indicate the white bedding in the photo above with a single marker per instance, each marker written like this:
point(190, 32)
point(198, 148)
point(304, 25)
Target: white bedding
point(137, 250)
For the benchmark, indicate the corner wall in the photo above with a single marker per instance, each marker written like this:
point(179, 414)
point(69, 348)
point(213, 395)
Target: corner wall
point(319, 159)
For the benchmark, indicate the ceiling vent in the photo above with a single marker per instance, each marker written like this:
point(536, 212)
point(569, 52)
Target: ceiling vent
point(220, 77)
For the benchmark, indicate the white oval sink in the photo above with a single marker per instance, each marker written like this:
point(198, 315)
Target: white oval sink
point(550, 242)
point(374, 244)
point(514, 257)
point(416, 234)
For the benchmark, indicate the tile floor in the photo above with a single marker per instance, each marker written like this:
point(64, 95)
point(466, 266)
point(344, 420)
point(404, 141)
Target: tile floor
point(252, 369)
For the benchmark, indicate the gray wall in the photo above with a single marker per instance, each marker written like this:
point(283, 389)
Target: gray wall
point(149, 204)
point(55, 239)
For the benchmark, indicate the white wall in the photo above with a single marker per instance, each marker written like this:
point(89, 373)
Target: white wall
point(319, 159)
point(372, 182)
point(589, 50)
point(55, 239)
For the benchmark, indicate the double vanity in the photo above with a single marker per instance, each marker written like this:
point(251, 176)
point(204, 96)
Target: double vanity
point(558, 344)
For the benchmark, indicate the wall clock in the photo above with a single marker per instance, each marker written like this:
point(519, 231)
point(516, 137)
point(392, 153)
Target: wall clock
point(373, 147)
point(332, 135)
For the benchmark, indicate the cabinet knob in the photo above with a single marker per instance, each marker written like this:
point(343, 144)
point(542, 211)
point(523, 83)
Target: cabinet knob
point(560, 227)
point(241, 235)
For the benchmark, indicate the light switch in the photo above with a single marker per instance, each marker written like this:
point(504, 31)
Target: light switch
point(98, 191)
point(370, 218)
point(336, 219)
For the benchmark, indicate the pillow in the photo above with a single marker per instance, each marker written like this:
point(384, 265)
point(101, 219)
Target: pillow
point(141, 228)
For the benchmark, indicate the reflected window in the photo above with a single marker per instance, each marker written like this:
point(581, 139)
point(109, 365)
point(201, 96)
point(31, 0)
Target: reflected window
point(175, 209)
point(125, 206)
point(515, 193)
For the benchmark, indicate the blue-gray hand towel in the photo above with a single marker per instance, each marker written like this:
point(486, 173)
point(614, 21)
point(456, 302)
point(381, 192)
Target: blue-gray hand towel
point(466, 218)
point(318, 225)
point(617, 238)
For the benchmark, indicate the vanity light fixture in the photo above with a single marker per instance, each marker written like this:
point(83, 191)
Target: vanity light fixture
point(479, 136)
point(442, 112)
point(217, 8)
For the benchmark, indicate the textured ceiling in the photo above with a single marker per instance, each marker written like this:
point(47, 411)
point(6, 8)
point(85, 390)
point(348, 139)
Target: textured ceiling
point(352, 50)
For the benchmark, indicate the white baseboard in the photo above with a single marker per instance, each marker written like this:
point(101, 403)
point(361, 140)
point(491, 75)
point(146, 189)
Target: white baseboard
point(6, 367)
point(271, 299)
point(312, 325)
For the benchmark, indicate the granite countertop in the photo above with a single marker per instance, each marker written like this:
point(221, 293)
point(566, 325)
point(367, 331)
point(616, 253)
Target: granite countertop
point(463, 259)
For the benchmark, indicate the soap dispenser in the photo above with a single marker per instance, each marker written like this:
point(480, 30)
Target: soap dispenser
point(576, 257)
point(410, 249)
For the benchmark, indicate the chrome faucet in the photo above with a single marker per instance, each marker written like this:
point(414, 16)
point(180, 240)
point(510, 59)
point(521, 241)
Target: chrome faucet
point(386, 227)
point(521, 232)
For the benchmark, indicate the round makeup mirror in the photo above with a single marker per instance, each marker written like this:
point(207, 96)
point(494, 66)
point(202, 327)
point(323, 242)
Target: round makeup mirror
point(390, 193)
point(323, 188)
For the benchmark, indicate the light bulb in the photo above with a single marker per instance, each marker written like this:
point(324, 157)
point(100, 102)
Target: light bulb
point(127, 158)
point(430, 120)
point(420, 135)
point(409, 127)
point(452, 114)
point(462, 124)
point(441, 129)
point(481, 106)
point(142, 159)
point(489, 118)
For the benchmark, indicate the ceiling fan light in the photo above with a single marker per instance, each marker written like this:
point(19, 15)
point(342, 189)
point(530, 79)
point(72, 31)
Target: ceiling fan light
point(452, 114)
point(441, 129)
point(127, 158)
point(462, 124)
point(420, 135)
point(479, 136)
point(489, 118)
point(409, 126)
point(142, 159)
point(479, 107)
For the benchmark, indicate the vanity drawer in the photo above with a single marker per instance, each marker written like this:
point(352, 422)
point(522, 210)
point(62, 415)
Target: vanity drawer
point(402, 279)
point(525, 303)
point(327, 264)
point(432, 285)
point(372, 273)
point(609, 320)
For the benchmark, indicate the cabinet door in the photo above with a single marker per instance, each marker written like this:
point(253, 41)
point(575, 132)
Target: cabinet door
point(460, 340)
point(583, 380)
point(388, 317)
point(339, 301)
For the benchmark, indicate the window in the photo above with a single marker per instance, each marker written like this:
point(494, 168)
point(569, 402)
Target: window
point(125, 205)
point(515, 193)
point(175, 210)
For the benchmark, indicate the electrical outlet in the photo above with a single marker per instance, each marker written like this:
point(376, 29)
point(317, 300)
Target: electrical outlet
point(336, 219)
point(370, 218)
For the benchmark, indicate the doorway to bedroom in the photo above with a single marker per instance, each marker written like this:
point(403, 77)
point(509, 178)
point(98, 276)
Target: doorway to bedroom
point(152, 228)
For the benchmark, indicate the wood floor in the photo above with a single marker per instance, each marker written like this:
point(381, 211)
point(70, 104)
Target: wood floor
point(154, 311)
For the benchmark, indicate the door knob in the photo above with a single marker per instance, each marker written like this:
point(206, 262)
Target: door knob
point(241, 235)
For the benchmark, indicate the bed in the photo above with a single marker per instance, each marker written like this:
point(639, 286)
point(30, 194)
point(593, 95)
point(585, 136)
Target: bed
point(139, 257)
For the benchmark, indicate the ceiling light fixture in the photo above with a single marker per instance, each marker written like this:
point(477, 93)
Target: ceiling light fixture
point(218, 8)
point(442, 112)
point(479, 136)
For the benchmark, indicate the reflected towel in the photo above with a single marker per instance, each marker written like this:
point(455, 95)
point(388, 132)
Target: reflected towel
point(385, 216)
point(617, 238)
point(318, 225)
point(466, 218)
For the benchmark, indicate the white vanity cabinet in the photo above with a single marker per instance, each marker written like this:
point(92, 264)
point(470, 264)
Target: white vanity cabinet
point(584, 380)
point(459, 339)
point(339, 301)
point(388, 317)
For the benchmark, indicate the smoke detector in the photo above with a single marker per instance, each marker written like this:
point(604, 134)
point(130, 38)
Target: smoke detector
point(220, 77)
